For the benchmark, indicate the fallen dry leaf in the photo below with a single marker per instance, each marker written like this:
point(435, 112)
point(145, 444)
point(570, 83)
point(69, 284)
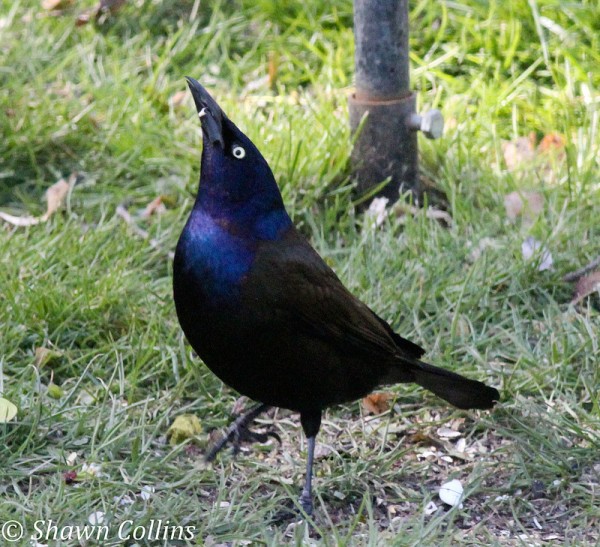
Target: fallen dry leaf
point(55, 196)
point(553, 143)
point(526, 204)
point(19, 221)
point(185, 426)
point(43, 356)
point(377, 403)
point(156, 206)
point(587, 285)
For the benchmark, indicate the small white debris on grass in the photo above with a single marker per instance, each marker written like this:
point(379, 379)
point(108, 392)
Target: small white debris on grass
point(96, 518)
point(532, 247)
point(460, 445)
point(322, 451)
point(431, 508)
point(72, 458)
point(147, 492)
point(447, 433)
point(451, 493)
point(93, 469)
point(123, 500)
point(377, 211)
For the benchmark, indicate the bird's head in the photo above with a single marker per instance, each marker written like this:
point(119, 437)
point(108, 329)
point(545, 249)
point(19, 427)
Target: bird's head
point(235, 180)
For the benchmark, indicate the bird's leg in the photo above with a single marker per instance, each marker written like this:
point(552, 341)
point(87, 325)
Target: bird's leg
point(239, 433)
point(311, 422)
point(306, 496)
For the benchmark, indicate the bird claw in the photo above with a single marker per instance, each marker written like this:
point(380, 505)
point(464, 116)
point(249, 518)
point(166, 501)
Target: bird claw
point(246, 435)
point(239, 433)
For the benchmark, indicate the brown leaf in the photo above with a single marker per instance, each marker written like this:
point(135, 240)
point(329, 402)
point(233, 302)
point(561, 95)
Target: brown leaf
point(54, 198)
point(43, 356)
point(552, 143)
point(526, 204)
point(56, 194)
point(156, 206)
point(551, 150)
point(586, 286)
point(519, 151)
point(377, 403)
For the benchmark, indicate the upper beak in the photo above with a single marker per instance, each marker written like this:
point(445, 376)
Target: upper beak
point(210, 113)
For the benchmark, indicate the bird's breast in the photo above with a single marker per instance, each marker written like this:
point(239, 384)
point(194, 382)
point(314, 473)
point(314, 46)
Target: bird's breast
point(211, 261)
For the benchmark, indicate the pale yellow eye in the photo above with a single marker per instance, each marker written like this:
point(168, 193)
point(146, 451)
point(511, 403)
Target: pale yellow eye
point(238, 152)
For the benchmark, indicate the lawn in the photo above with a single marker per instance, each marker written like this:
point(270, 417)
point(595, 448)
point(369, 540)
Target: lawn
point(90, 349)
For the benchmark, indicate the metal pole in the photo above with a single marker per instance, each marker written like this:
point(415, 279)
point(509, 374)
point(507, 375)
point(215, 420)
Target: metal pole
point(387, 144)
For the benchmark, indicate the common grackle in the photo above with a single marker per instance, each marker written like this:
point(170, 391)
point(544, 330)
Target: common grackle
point(264, 311)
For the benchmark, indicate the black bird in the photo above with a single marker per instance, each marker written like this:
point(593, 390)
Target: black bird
point(264, 311)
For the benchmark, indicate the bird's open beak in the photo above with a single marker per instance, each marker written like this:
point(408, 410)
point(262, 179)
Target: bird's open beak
point(210, 113)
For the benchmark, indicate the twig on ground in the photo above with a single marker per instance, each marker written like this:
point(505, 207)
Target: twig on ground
point(574, 276)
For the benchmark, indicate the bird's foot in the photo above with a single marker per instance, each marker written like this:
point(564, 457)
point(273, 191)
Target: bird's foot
point(245, 435)
point(239, 433)
point(306, 503)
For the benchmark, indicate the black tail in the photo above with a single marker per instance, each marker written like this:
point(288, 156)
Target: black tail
point(457, 390)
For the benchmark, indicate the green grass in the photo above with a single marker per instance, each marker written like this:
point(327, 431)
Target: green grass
point(97, 100)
